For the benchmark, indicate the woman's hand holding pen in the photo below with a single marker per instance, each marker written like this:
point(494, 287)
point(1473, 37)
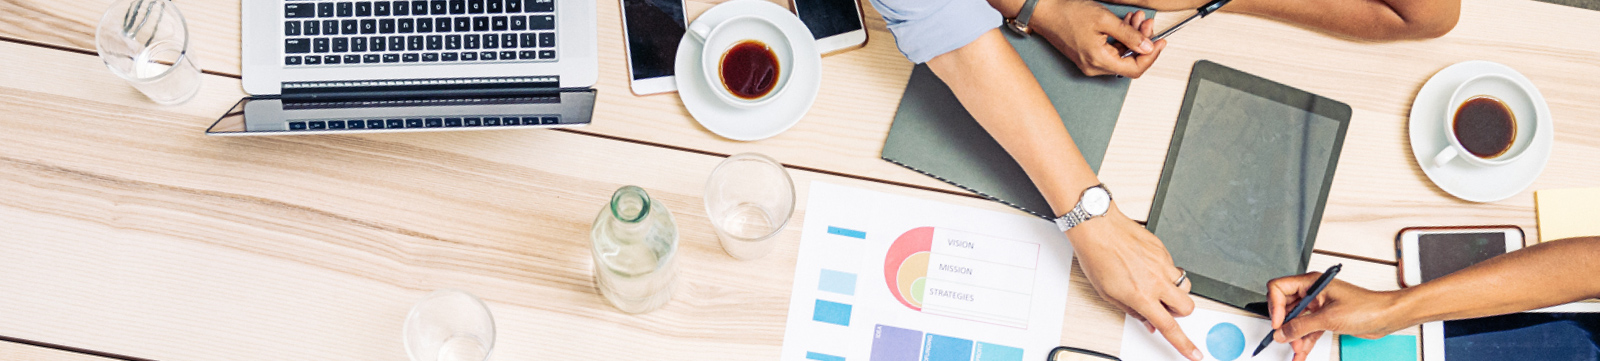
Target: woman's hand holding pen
point(1341, 307)
point(1078, 28)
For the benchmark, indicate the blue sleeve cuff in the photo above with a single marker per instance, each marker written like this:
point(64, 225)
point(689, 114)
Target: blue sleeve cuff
point(924, 29)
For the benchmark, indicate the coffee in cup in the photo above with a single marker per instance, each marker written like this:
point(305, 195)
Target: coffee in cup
point(746, 59)
point(1485, 126)
point(1491, 122)
point(749, 69)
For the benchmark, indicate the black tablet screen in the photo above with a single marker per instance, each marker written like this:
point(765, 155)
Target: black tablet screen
point(1524, 336)
point(1246, 186)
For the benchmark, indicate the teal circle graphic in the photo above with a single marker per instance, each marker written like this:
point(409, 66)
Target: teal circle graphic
point(1225, 341)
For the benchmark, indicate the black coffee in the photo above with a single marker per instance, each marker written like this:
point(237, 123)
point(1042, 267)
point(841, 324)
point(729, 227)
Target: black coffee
point(1485, 126)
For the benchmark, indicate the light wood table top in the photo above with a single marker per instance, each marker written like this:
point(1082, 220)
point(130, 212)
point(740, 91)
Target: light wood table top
point(133, 234)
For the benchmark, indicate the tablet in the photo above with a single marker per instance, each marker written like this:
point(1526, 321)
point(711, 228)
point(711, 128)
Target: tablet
point(1567, 332)
point(1246, 176)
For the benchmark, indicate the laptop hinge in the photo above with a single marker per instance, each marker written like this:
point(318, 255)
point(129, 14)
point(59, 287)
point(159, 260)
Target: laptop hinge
point(411, 89)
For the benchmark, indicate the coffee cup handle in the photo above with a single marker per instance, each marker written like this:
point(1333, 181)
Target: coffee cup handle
point(700, 31)
point(1445, 156)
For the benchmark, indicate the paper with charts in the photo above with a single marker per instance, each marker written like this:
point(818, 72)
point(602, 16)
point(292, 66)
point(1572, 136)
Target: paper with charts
point(883, 277)
point(1220, 336)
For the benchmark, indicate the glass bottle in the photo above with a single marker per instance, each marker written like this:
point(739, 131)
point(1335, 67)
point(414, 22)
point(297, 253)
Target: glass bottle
point(634, 240)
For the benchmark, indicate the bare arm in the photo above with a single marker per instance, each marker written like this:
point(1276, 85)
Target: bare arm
point(1361, 19)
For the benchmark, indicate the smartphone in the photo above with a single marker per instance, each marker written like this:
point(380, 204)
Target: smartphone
point(1427, 253)
point(836, 24)
point(653, 29)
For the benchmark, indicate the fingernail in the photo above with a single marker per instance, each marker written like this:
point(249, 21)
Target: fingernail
point(1146, 46)
point(1195, 355)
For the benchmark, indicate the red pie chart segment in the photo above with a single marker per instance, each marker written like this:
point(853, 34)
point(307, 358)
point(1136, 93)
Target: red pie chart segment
point(905, 267)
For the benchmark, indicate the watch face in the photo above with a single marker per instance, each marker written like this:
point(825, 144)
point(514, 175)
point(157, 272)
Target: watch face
point(1096, 201)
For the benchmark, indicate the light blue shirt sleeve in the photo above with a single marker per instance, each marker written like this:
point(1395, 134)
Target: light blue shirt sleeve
point(924, 29)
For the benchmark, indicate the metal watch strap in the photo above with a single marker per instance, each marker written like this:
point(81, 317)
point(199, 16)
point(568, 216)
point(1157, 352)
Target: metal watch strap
point(1019, 24)
point(1073, 217)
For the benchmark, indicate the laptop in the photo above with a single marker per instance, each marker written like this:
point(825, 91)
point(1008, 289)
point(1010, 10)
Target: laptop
point(344, 66)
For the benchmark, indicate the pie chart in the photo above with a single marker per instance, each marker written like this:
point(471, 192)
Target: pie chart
point(1225, 341)
point(905, 267)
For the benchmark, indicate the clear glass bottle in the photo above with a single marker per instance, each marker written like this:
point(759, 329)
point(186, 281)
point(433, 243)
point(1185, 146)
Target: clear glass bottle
point(634, 241)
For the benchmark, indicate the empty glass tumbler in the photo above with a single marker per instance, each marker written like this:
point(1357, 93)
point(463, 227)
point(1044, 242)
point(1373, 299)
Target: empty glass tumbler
point(635, 241)
point(749, 198)
point(449, 325)
point(146, 42)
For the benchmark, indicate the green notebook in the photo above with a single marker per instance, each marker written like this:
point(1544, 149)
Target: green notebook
point(934, 135)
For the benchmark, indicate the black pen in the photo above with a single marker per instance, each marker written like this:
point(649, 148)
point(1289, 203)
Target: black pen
point(1316, 288)
point(1209, 8)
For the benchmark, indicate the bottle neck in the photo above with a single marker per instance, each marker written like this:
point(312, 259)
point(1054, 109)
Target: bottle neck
point(630, 212)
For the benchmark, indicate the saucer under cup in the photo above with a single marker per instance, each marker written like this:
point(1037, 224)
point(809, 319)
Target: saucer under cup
point(1508, 92)
point(721, 39)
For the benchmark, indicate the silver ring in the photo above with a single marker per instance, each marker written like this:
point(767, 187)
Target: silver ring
point(1183, 276)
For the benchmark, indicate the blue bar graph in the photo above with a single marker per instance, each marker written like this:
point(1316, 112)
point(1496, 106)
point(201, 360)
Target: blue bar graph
point(837, 282)
point(831, 312)
point(847, 232)
point(822, 357)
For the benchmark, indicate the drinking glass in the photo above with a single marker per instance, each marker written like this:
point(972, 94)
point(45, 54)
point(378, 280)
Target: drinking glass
point(749, 198)
point(146, 42)
point(449, 325)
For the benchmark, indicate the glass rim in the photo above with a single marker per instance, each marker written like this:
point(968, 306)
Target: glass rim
point(183, 53)
point(411, 316)
point(713, 215)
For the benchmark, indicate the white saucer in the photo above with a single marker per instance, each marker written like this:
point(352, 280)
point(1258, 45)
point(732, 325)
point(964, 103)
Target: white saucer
point(1460, 179)
point(760, 122)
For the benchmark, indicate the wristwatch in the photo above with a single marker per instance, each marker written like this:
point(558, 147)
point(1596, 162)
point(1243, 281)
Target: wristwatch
point(1019, 24)
point(1094, 202)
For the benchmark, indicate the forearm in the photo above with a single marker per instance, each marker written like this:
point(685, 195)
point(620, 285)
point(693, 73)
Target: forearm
point(1362, 19)
point(996, 87)
point(1543, 275)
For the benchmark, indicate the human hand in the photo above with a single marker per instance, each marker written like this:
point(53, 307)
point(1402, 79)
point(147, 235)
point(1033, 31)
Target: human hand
point(1078, 28)
point(1131, 269)
point(1164, 5)
point(1341, 308)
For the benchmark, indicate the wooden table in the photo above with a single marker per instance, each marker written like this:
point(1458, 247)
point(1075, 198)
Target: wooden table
point(129, 234)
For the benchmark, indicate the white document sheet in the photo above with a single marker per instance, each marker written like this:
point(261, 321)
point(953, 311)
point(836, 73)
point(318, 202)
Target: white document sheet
point(882, 277)
point(1220, 337)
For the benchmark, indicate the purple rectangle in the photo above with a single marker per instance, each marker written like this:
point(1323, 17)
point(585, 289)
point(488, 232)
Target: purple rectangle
point(891, 343)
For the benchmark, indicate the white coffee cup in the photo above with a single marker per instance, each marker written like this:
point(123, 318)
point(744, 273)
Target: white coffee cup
point(718, 39)
point(1509, 92)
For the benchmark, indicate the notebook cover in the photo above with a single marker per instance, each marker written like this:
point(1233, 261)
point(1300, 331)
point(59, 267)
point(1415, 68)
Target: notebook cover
point(933, 134)
point(1388, 348)
point(1567, 213)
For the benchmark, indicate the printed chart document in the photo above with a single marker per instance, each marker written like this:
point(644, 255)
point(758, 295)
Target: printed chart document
point(882, 277)
point(1220, 336)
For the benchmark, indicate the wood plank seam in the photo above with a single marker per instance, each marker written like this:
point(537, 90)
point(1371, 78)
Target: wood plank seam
point(73, 349)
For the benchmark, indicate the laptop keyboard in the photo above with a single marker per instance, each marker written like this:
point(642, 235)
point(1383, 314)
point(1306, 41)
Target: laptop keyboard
point(440, 122)
point(344, 33)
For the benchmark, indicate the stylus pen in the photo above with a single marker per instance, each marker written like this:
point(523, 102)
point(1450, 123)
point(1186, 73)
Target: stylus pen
point(1209, 8)
point(1316, 288)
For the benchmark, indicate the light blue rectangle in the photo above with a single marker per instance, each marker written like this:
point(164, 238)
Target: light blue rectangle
point(822, 357)
point(1388, 348)
point(837, 282)
point(946, 348)
point(847, 232)
point(992, 352)
point(831, 312)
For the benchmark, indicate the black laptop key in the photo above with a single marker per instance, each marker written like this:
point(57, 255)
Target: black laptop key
point(508, 41)
point(474, 122)
point(298, 10)
point(452, 42)
point(435, 42)
point(319, 45)
point(406, 26)
point(550, 120)
point(386, 26)
point(491, 41)
point(447, 57)
point(547, 40)
point(519, 23)
point(463, 24)
point(370, 58)
point(341, 45)
point(348, 27)
point(397, 43)
point(414, 42)
point(547, 54)
point(508, 55)
point(471, 41)
point(330, 27)
point(296, 45)
point(352, 59)
point(489, 122)
point(530, 40)
point(480, 23)
point(313, 60)
point(541, 6)
point(469, 56)
point(381, 8)
point(335, 124)
point(510, 121)
point(364, 8)
point(330, 59)
point(403, 8)
point(297, 125)
point(414, 123)
point(441, 25)
point(433, 122)
point(291, 60)
point(345, 9)
point(391, 58)
point(439, 7)
point(369, 26)
point(410, 57)
point(495, 6)
point(325, 10)
point(378, 43)
point(374, 124)
point(542, 22)
point(424, 25)
point(356, 124)
point(394, 124)
point(530, 120)
point(452, 122)
point(475, 6)
point(527, 55)
point(513, 6)
point(458, 7)
point(487, 55)
point(291, 28)
point(311, 27)
point(317, 125)
point(498, 23)
point(429, 57)
point(358, 44)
